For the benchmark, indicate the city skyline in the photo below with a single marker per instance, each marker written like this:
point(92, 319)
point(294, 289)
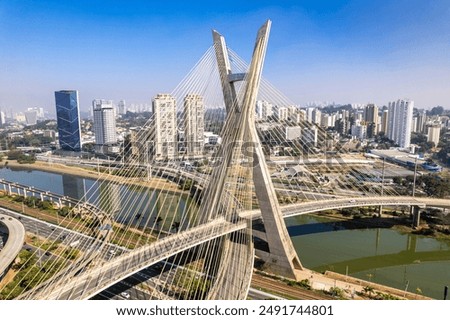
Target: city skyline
point(344, 51)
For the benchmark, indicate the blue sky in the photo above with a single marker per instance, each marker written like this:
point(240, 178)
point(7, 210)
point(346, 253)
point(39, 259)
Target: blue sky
point(343, 51)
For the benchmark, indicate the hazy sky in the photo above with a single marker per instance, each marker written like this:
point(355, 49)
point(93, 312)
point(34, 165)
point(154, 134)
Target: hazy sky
point(343, 51)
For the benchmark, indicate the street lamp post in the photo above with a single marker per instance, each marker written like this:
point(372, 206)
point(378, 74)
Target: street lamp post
point(414, 181)
point(382, 187)
point(382, 178)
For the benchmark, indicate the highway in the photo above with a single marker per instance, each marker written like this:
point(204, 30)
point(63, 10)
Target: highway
point(58, 234)
point(93, 282)
point(340, 203)
point(15, 238)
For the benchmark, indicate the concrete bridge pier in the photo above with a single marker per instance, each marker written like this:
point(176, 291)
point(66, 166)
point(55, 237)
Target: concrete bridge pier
point(380, 211)
point(415, 212)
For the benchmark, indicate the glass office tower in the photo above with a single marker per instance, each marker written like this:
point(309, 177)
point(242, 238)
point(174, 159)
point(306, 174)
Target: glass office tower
point(68, 117)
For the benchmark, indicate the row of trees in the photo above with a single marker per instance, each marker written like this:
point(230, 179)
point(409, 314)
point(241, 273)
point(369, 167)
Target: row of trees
point(34, 202)
point(432, 185)
point(21, 157)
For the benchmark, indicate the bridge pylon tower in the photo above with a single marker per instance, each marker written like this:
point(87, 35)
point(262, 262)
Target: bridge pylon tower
point(240, 126)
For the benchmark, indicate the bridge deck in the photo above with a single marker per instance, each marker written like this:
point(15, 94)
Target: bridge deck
point(94, 281)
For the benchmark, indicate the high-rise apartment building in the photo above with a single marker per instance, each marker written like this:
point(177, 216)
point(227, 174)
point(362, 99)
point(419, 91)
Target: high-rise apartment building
point(327, 120)
point(384, 121)
point(122, 107)
point(2, 118)
point(39, 112)
point(68, 119)
point(31, 117)
point(309, 136)
point(264, 109)
point(316, 116)
point(194, 124)
point(104, 123)
point(359, 130)
point(421, 121)
point(165, 126)
point(399, 123)
point(281, 113)
point(434, 134)
point(371, 119)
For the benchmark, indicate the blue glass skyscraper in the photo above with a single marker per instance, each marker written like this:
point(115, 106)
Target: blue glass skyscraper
point(68, 117)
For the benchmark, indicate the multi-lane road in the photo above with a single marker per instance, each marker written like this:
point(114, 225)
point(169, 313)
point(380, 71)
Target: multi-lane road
point(14, 233)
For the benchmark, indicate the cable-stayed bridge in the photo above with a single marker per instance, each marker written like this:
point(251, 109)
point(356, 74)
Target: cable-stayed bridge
point(158, 210)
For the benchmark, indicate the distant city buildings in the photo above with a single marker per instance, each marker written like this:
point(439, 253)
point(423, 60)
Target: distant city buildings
point(104, 124)
point(122, 107)
point(31, 117)
point(400, 122)
point(39, 112)
point(2, 118)
point(68, 120)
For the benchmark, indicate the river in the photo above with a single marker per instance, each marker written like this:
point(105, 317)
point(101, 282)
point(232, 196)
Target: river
point(125, 202)
point(385, 256)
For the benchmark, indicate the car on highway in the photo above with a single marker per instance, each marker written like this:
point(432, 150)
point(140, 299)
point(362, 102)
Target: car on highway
point(125, 295)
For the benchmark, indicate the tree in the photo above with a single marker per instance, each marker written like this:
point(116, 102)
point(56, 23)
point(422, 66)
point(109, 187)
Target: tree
point(186, 184)
point(176, 225)
point(397, 180)
point(88, 147)
point(14, 154)
point(158, 219)
point(444, 153)
point(64, 211)
point(368, 290)
point(436, 111)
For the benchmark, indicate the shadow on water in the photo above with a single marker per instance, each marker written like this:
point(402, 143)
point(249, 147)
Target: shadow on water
point(354, 224)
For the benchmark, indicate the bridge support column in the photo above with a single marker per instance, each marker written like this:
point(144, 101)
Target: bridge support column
point(282, 258)
point(415, 211)
point(380, 211)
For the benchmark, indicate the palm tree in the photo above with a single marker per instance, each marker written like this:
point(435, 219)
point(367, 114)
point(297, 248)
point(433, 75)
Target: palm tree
point(368, 290)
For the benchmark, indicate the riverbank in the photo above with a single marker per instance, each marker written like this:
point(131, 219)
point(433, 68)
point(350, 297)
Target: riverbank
point(354, 288)
point(154, 183)
point(401, 223)
point(329, 285)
